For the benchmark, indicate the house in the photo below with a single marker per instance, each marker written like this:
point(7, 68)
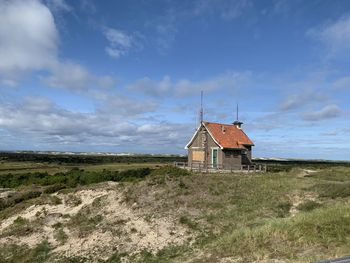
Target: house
point(223, 146)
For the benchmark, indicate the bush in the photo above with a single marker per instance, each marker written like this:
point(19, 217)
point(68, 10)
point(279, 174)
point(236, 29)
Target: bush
point(171, 171)
point(308, 206)
point(53, 188)
point(20, 227)
point(282, 209)
point(72, 178)
point(333, 190)
point(26, 196)
point(187, 221)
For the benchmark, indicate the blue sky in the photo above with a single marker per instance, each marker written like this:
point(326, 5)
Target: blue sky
point(126, 76)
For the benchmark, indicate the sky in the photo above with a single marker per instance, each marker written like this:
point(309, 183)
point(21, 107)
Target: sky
point(126, 76)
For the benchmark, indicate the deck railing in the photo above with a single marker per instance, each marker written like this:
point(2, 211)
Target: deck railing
point(201, 167)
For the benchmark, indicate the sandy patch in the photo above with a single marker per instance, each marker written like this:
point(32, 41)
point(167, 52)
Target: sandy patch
point(298, 198)
point(123, 228)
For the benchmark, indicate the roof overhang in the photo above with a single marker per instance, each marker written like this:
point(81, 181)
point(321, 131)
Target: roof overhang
point(194, 135)
point(211, 135)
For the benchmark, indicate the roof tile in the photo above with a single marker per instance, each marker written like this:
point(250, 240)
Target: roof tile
point(228, 135)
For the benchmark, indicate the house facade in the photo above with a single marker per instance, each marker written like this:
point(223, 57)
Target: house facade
point(223, 146)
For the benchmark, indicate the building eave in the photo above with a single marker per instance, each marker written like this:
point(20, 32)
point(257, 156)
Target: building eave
point(211, 135)
point(194, 135)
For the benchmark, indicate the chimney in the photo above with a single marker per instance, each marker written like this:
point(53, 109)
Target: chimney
point(238, 124)
point(223, 130)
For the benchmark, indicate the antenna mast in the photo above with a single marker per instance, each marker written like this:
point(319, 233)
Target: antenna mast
point(201, 111)
point(237, 112)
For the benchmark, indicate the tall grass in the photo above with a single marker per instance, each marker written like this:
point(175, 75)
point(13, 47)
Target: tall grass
point(324, 230)
point(72, 178)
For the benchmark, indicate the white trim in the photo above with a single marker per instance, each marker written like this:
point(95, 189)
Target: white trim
point(217, 156)
point(194, 135)
point(221, 147)
point(213, 137)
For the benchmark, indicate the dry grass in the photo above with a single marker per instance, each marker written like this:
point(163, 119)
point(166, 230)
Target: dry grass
point(173, 216)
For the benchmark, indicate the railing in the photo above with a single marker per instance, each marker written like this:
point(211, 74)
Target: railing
point(201, 167)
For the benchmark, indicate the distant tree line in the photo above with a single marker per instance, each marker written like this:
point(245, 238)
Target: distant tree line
point(89, 159)
point(287, 165)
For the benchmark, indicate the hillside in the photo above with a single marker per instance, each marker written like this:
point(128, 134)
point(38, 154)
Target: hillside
point(169, 215)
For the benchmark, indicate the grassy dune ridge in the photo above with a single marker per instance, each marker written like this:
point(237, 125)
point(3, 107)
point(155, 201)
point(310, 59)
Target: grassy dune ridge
point(166, 214)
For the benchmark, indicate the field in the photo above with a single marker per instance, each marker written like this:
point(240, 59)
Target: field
point(145, 210)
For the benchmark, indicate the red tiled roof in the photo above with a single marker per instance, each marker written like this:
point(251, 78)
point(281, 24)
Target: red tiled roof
point(228, 135)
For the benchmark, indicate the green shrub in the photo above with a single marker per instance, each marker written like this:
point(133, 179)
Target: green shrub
point(171, 171)
point(282, 209)
point(55, 200)
point(53, 188)
point(73, 200)
point(40, 253)
point(20, 227)
point(72, 178)
point(60, 236)
point(309, 206)
point(26, 196)
point(84, 223)
point(188, 222)
point(332, 190)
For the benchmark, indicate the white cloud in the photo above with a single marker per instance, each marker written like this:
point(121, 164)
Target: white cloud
point(113, 124)
point(114, 52)
point(37, 104)
point(68, 75)
point(342, 83)
point(328, 112)
point(301, 99)
point(119, 42)
point(58, 5)
point(106, 81)
point(118, 38)
point(227, 9)
point(120, 105)
point(153, 88)
point(28, 38)
point(29, 43)
point(229, 81)
point(74, 76)
point(335, 36)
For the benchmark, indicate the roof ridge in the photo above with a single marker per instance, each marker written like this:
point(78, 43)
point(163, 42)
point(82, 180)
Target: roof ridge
point(233, 137)
point(230, 124)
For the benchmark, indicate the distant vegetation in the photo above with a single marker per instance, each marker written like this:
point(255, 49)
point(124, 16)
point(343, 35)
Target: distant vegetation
point(89, 159)
point(72, 178)
point(296, 212)
point(287, 165)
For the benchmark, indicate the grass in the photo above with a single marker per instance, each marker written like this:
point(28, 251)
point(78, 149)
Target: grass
point(332, 190)
point(72, 178)
point(247, 217)
point(308, 236)
point(308, 206)
point(15, 167)
point(227, 216)
point(85, 222)
point(20, 227)
point(16, 253)
point(188, 222)
point(60, 236)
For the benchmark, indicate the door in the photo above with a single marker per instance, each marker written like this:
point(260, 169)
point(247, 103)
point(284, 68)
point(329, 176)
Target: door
point(215, 158)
